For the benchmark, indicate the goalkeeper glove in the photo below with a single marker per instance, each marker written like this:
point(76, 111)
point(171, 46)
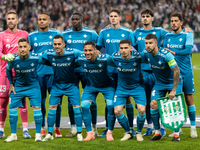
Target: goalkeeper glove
point(9, 57)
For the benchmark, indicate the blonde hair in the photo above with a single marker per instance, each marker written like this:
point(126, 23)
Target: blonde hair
point(12, 12)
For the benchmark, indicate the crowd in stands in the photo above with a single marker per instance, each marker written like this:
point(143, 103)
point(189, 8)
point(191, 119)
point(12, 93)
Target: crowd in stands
point(95, 12)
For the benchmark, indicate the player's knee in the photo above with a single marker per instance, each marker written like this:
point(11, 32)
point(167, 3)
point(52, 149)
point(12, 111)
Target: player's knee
point(154, 104)
point(117, 111)
point(53, 107)
point(141, 110)
point(189, 99)
point(36, 108)
point(85, 105)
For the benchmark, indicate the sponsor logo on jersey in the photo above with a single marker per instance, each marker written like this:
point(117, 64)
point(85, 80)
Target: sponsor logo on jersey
point(12, 45)
point(113, 41)
point(94, 70)
point(157, 67)
point(61, 64)
point(174, 46)
point(76, 41)
point(42, 44)
point(26, 71)
point(126, 70)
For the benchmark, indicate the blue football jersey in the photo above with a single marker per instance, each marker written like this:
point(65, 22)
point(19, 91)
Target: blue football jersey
point(41, 41)
point(138, 37)
point(96, 70)
point(63, 66)
point(77, 39)
point(129, 71)
point(25, 70)
point(181, 44)
point(159, 65)
point(110, 38)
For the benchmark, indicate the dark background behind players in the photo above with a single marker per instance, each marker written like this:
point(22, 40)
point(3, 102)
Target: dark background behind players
point(96, 15)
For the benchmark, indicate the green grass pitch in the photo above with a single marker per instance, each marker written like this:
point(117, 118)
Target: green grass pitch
point(101, 143)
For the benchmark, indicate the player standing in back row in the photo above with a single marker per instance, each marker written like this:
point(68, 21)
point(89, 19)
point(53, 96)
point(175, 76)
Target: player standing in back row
point(180, 45)
point(75, 38)
point(110, 38)
point(41, 40)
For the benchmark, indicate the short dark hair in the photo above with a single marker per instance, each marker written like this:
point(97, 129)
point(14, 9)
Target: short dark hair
point(125, 41)
point(23, 40)
point(12, 12)
point(116, 10)
point(151, 36)
point(59, 37)
point(45, 13)
point(90, 43)
point(147, 11)
point(177, 15)
point(79, 14)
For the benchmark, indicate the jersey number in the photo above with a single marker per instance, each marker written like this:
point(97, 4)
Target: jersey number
point(2, 88)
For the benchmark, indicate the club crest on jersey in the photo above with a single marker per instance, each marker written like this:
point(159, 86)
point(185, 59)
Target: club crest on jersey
point(108, 35)
point(32, 64)
point(159, 62)
point(70, 36)
point(17, 66)
point(68, 58)
point(85, 65)
point(154, 33)
point(168, 40)
point(100, 65)
point(140, 33)
point(120, 64)
point(134, 64)
point(123, 35)
point(50, 37)
point(7, 40)
point(84, 35)
point(180, 39)
point(35, 38)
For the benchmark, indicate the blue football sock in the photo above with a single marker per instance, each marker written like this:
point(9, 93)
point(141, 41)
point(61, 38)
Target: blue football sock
point(58, 116)
point(13, 117)
point(123, 121)
point(43, 109)
point(130, 114)
point(155, 118)
point(86, 115)
point(71, 113)
point(192, 114)
point(111, 116)
point(93, 110)
point(51, 119)
point(106, 115)
point(38, 120)
point(78, 118)
point(140, 122)
point(148, 113)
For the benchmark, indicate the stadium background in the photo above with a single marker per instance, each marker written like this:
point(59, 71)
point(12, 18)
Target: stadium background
point(95, 13)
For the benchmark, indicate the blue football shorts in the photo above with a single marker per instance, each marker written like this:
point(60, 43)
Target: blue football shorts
point(32, 92)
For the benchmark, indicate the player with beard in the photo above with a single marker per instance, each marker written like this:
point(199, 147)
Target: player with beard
point(180, 45)
point(41, 40)
point(75, 38)
point(8, 44)
point(168, 79)
point(138, 38)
